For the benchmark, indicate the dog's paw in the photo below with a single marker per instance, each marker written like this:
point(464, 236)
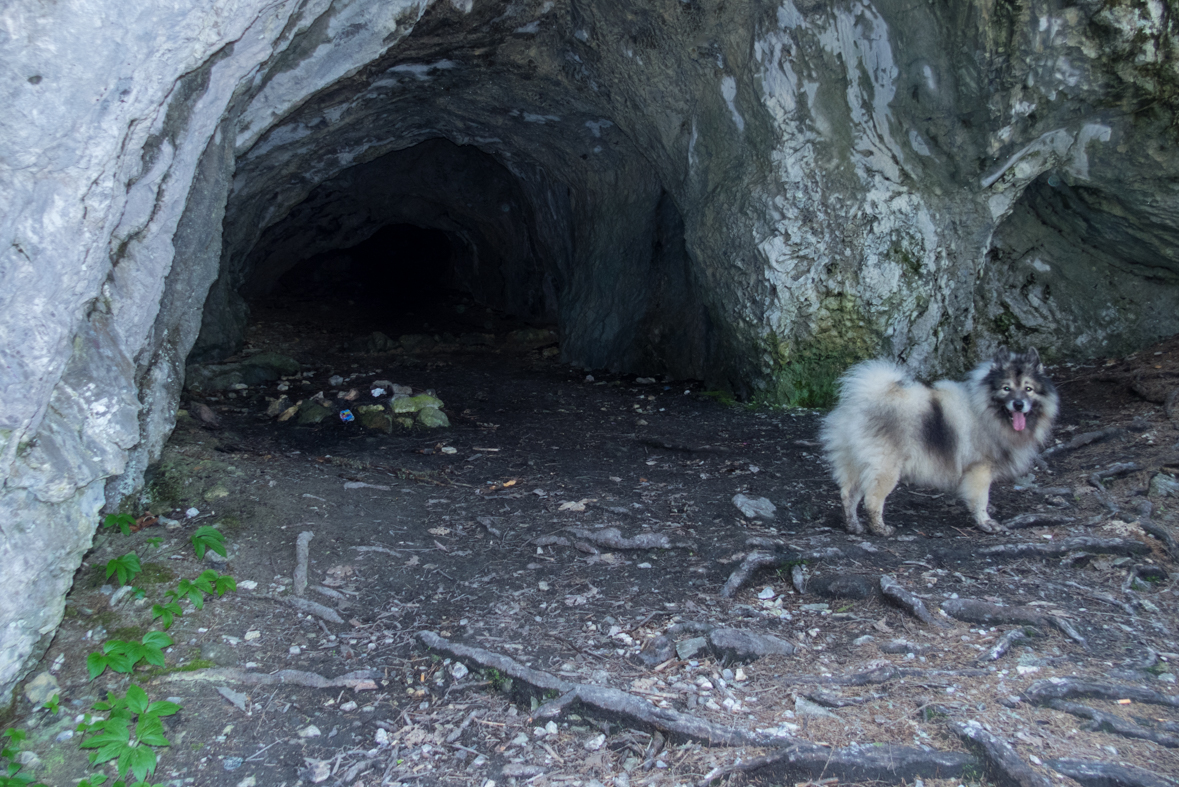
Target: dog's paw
point(854, 527)
point(883, 529)
point(989, 525)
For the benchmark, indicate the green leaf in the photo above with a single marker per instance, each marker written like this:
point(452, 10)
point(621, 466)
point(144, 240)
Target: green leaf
point(167, 612)
point(225, 583)
point(207, 537)
point(162, 708)
point(140, 760)
point(150, 730)
point(125, 567)
point(121, 521)
point(52, 704)
point(157, 639)
point(137, 700)
point(96, 664)
point(155, 542)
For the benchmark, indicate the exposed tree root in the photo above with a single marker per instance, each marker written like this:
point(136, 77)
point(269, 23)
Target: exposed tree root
point(1003, 765)
point(883, 674)
point(361, 680)
point(1040, 692)
point(1161, 532)
point(893, 591)
point(1038, 520)
point(1083, 440)
point(855, 764)
point(1094, 773)
point(1108, 722)
point(612, 538)
point(1014, 637)
point(1105, 546)
point(974, 611)
point(611, 702)
point(755, 561)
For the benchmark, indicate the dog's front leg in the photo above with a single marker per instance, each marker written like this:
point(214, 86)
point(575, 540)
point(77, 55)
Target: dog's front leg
point(975, 489)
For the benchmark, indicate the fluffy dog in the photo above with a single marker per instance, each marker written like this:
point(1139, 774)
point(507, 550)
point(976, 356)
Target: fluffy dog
point(951, 435)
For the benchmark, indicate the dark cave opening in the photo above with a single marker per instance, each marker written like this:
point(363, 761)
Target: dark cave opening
point(398, 266)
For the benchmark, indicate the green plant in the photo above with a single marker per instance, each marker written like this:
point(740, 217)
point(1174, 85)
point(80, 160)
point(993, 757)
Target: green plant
point(111, 738)
point(121, 521)
point(122, 656)
point(125, 567)
point(207, 537)
point(155, 541)
point(9, 751)
point(167, 612)
point(195, 589)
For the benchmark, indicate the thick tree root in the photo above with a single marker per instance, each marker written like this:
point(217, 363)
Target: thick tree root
point(361, 680)
point(884, 764)
point(1161, 532)
point(1104, 546)
point(1083, 440)
point(974, 611)
point(893, 591)
point(755, 561)
point(1107, 722)
point(611, 702)
point(1040, 692)
point(1094, 773)
point(1014, 637)
point(883, 674)
point(1003, 765)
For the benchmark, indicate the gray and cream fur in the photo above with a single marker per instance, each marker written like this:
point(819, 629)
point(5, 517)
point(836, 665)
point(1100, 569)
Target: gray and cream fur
point(951, 435)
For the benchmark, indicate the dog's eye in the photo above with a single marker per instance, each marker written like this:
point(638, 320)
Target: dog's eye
point(1028, 389)
point(1006, 389)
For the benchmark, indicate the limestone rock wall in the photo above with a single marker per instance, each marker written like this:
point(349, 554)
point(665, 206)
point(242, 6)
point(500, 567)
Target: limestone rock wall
point(749, 192)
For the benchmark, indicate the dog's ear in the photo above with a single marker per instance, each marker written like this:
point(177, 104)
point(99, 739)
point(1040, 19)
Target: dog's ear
point(1032, 356)
point(1002, 356)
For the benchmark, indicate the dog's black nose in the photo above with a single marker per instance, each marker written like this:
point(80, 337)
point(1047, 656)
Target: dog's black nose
point(1018, 405)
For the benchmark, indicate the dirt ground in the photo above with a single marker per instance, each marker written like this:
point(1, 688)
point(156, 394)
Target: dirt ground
point(489, 534)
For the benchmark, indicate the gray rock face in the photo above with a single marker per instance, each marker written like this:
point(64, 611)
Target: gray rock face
point(744, 192)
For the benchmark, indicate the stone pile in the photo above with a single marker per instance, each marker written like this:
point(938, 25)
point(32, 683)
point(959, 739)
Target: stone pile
point(387, 406)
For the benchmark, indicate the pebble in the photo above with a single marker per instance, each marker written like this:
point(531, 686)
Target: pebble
point(190, 513)
point(767, 593)
point(295, 650)
point(459, 671)
point(232, 763)
point(310, 731)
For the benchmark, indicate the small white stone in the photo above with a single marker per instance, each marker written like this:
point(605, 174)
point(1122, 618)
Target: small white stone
point(190, 513)
point(767, 593)
point(295, 650)
point(310, 731)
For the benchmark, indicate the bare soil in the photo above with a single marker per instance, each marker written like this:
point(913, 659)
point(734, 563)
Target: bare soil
point(478, 533)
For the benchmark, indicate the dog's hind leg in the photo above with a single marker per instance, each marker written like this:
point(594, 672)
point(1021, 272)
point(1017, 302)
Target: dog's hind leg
point(975, 489)
point(878, 489)
point(852, 496)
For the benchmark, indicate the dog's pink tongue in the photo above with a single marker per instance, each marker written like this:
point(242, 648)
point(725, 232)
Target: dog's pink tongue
point(1018, 420)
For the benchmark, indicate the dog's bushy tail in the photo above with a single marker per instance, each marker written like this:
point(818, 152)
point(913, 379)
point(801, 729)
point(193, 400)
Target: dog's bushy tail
point(870, 380)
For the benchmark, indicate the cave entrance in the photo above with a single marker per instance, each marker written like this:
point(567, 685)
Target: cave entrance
point(436, 238)
point(399, 279)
